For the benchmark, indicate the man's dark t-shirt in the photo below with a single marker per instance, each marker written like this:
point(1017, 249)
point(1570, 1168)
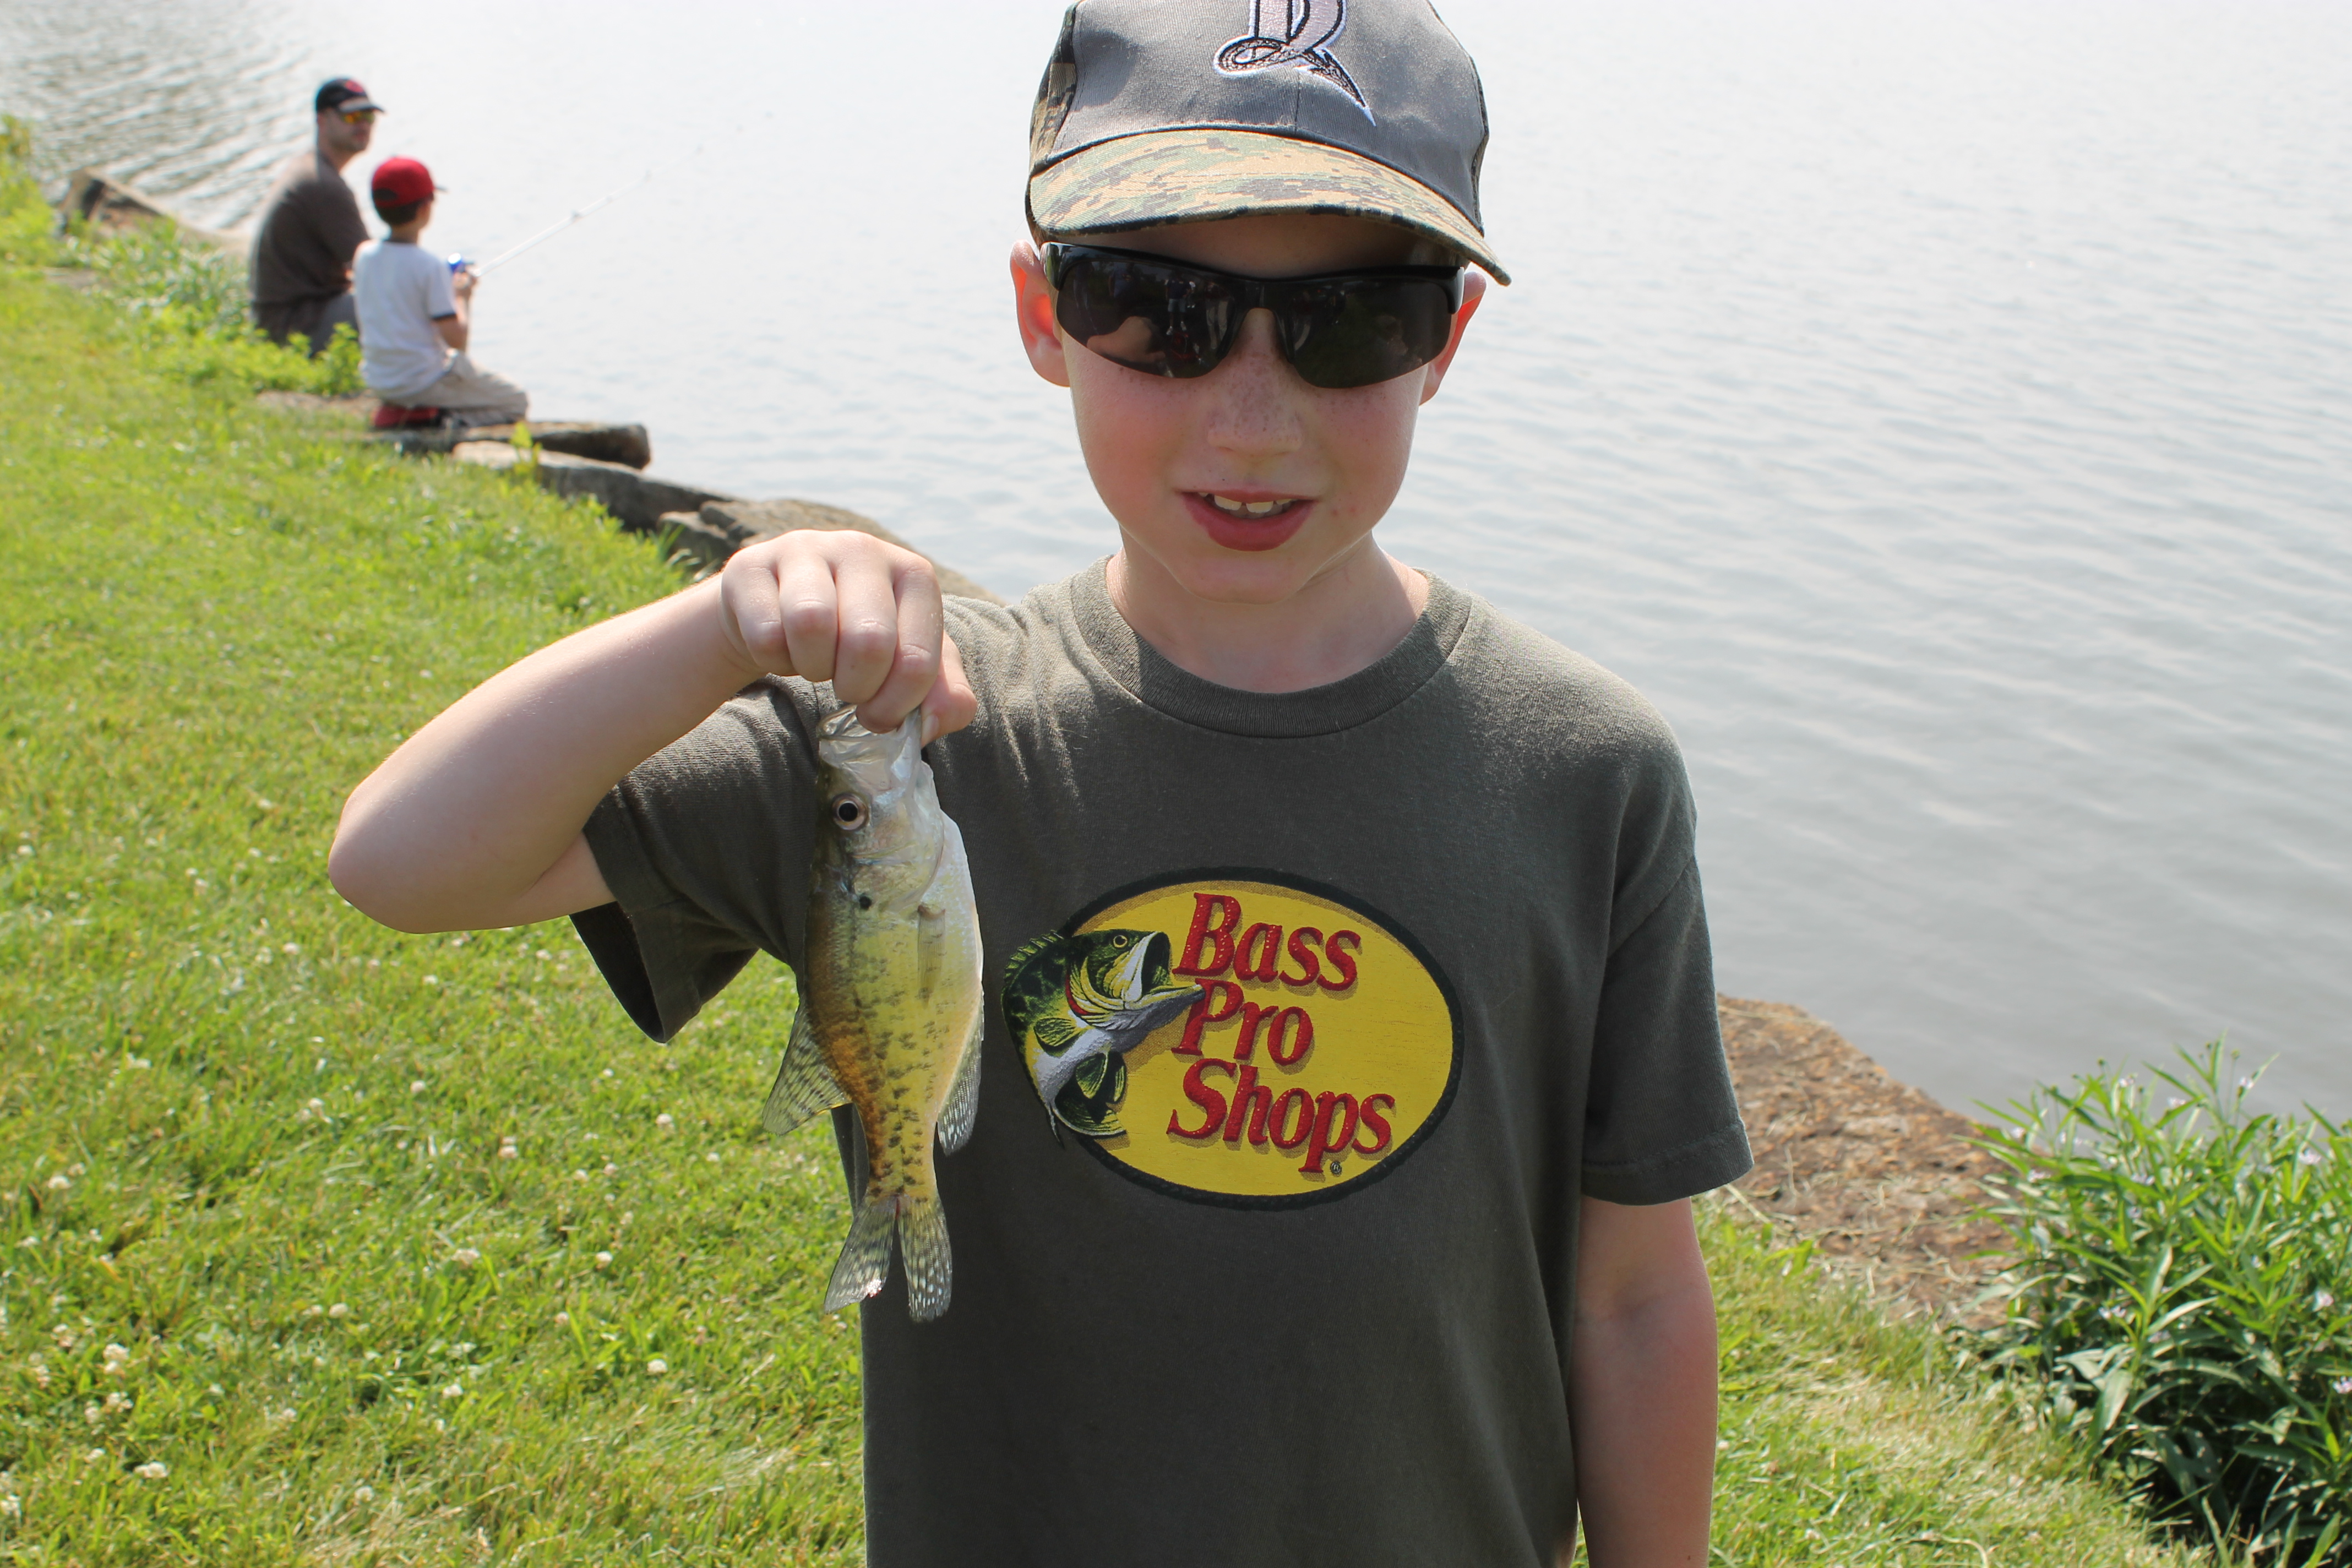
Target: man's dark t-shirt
point(1305, 1295)
point(311, 226)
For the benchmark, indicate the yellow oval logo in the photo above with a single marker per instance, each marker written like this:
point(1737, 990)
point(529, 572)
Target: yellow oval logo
point(1237, 1036)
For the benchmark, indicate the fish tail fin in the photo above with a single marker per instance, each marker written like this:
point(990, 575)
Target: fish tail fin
point(923, 1245)
point(864, 1261)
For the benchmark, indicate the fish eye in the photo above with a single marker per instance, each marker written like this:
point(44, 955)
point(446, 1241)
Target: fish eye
point(1119, 941)
point(849, 812)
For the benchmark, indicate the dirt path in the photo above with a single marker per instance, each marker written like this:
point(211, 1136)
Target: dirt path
point(1881, 1176)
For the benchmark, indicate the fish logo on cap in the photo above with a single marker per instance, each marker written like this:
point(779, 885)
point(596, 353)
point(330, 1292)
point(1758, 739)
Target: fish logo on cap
point(1307, 28)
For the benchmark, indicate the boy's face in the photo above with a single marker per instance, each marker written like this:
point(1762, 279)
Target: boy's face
point(1165, 454)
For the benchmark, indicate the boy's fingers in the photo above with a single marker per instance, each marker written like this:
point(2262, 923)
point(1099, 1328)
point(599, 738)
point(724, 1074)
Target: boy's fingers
point(949, 704)
point(869, 633)
point(752, 615)
point(915, 646)
point(808, 601)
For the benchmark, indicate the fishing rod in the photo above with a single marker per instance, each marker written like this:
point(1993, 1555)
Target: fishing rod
point(552, 230)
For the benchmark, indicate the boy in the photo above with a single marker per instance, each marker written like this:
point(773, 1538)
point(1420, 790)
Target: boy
point(415, 316)
point(1379, 1251)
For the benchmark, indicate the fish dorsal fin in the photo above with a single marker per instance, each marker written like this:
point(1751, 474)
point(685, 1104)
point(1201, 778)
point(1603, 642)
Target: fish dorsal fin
point(804, 1083)
point(963, 1096)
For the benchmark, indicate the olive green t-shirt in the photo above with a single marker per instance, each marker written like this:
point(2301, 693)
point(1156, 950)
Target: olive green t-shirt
point(1286, 1279)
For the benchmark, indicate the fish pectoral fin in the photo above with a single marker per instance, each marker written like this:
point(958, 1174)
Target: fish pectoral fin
point(964, 1095)
point(804, 1083)
point(1089, 1078)
point(1055, 1031)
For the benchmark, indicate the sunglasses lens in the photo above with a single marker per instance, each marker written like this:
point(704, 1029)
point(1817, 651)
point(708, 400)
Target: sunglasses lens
point(1357, 331)
point(1162, 321)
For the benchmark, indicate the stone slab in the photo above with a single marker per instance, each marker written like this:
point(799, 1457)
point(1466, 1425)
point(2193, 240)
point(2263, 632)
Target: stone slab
point(746, 522)
point(628, 444)
point(637, 500)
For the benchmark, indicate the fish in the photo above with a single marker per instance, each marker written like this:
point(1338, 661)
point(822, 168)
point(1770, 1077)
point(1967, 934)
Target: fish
point(1075, 1002)
point(891, 1014)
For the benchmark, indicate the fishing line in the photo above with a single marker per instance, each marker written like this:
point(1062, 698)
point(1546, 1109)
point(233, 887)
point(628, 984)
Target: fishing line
point(552, 230)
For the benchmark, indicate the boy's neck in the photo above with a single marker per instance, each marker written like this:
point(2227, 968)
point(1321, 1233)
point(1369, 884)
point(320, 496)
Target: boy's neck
point(1345, 619)
point(407, 233)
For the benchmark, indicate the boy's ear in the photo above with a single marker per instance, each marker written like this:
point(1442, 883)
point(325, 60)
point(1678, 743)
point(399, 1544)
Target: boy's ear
point(1033, 310)
point(1473, 290)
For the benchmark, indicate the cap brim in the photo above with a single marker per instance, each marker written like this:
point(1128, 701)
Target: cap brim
point(1202, 174)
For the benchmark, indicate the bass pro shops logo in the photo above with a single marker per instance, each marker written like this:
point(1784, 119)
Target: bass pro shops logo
point(1237, 1038)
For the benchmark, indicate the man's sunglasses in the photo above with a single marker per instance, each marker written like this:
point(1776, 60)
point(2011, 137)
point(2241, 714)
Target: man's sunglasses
point(1163, 318)
point(359, 117)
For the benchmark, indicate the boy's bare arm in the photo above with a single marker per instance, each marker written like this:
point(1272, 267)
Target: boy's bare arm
point(1642, 1380)
point(475, 820)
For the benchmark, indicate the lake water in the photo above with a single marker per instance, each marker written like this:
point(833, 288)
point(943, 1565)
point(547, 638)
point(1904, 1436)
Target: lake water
point(1942, 411)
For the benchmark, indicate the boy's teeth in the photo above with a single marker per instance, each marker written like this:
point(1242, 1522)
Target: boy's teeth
point(1247, 508)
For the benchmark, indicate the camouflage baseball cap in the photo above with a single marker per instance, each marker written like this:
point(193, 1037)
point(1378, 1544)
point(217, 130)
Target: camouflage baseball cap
point(1156, 111)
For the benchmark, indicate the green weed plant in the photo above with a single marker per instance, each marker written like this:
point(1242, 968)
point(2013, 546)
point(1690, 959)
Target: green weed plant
point(2183, 1297)
point(186, 303)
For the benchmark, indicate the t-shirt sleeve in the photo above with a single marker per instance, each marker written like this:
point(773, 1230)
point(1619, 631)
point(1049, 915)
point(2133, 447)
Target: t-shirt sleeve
point(1661, 1119)
point(440, 295)
point(706, 848)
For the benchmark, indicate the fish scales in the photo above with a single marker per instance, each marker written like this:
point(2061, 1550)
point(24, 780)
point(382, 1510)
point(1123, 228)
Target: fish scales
point(891, 1013)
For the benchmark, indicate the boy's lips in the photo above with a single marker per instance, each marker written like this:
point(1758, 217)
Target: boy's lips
point(1240, 530)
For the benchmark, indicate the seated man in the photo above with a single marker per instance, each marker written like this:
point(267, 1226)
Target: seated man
point(415, 313)
point(310, 225)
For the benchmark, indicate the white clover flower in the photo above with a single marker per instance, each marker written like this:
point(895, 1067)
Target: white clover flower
point(117, 1403)
point(658, 1366)
point(153, 1470)
point(95, 1456)
point(563, 1320)
point(603, 1260)
point(2310, 1156)
point(579, 1175)
point(114, 1355)
point(363, 1494)
point(712, 1158)
point(340, 1309)
point(664, 1122)
point(297, 947)
point(2344, 1385)
point(465, 1257)
point(416, 1086)
point(454, 1391)
point(2323, 1300)
point(60, 1181)
point(11, 1506)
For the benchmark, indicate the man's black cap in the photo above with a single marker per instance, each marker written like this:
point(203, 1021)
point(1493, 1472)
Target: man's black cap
point(344, 93)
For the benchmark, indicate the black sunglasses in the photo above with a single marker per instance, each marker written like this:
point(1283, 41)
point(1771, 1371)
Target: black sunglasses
point(1163, 318)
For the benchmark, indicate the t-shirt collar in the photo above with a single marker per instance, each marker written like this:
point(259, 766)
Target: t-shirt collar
point(1152, 679)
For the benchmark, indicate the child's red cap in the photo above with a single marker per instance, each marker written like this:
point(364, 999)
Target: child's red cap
point(400, 181)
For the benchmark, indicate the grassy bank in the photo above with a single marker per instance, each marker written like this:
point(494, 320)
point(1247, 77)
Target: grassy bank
point(320, 1244)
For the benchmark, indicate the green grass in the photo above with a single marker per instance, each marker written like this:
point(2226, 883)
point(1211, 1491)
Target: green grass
point(255, 1140)
point(1849, 1439)
point(272, 1291)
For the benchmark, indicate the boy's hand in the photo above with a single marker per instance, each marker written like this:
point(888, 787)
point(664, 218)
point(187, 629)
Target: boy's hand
point(847, 607)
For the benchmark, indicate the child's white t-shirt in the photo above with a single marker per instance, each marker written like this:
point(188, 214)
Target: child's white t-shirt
point(401, 288)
